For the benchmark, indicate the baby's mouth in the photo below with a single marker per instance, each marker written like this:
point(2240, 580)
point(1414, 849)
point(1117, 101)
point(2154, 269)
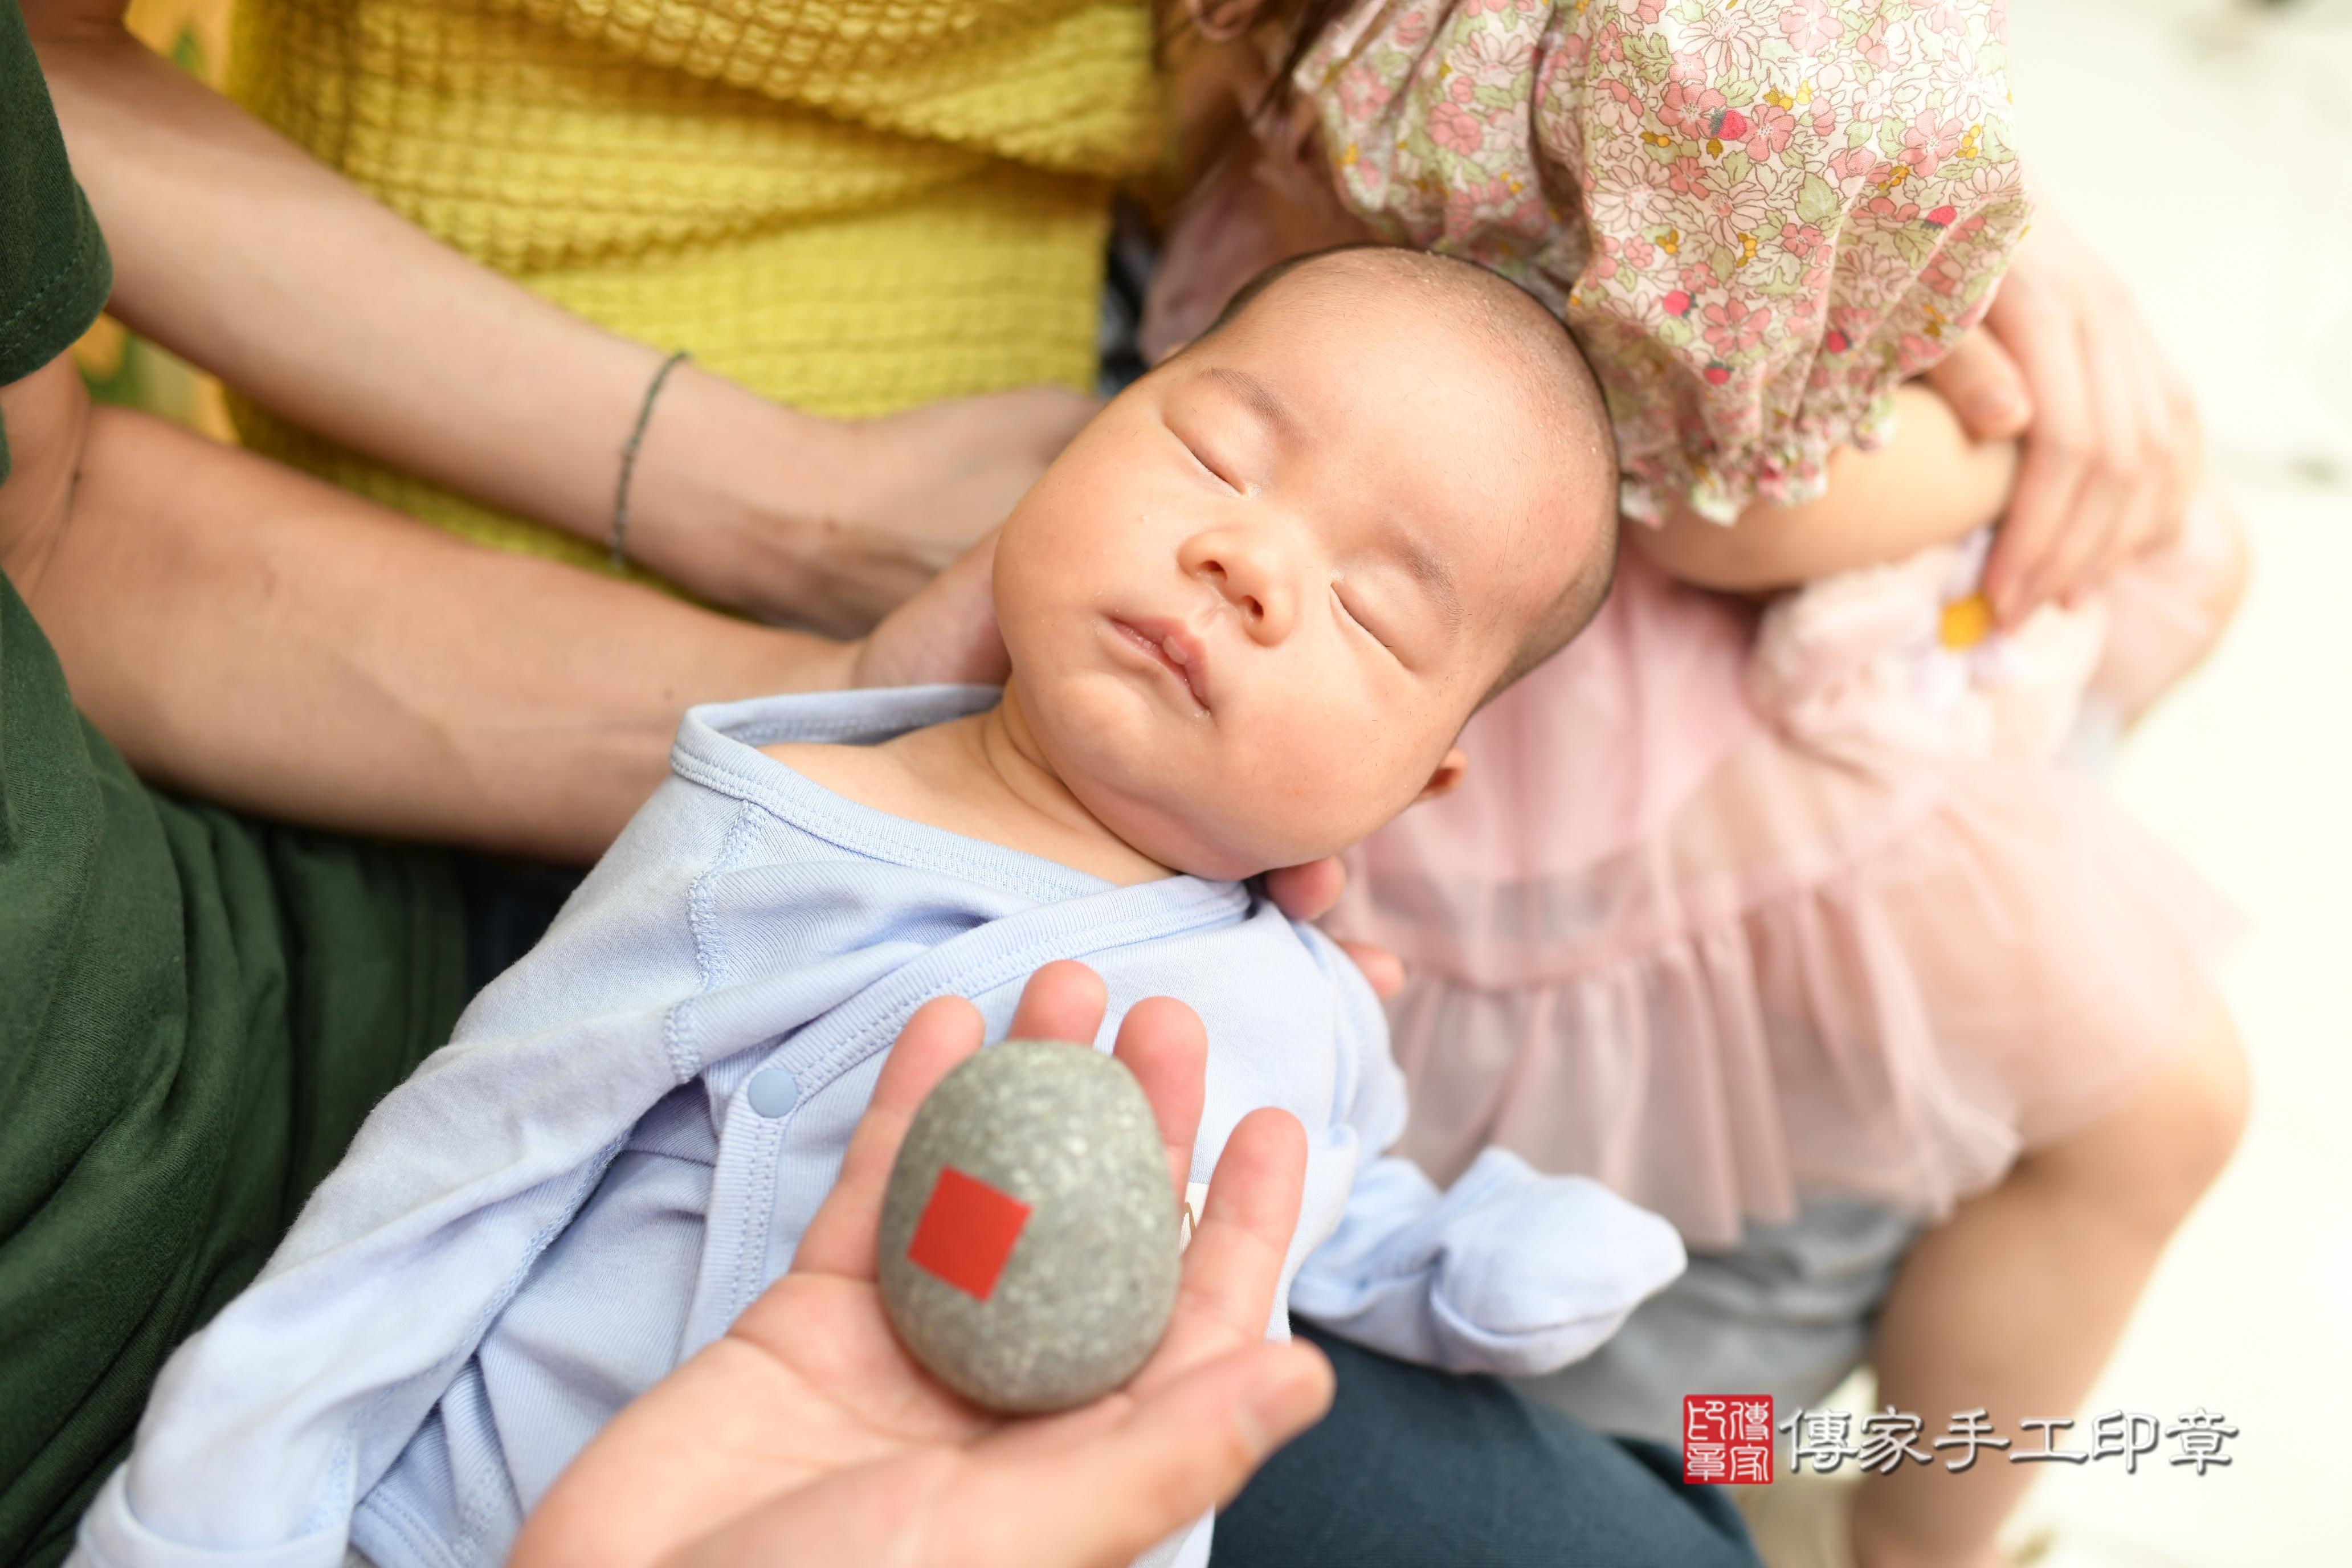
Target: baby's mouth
point(1177, 649)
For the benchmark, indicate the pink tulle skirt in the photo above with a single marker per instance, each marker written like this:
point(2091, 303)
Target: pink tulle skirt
point(1658, 939)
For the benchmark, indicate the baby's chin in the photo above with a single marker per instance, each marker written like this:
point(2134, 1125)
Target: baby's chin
point(1125, 776)
point(1179, 835)
point(1197, 842)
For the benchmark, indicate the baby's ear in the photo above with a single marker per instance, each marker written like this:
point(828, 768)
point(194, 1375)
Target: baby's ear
point(1448, 775)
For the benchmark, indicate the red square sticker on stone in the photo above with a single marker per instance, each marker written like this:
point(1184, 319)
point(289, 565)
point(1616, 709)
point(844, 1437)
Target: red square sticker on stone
point(1728, 1439)
point(967, 1231)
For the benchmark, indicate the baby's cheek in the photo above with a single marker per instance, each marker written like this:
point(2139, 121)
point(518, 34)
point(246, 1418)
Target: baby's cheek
point(1324, 802)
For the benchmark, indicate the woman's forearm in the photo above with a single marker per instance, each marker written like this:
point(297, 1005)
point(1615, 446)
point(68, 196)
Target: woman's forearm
point(1930, 484)
point(250, 636)
point(240, 253)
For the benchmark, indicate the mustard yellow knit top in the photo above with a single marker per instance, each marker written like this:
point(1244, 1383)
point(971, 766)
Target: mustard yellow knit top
point(850, 205)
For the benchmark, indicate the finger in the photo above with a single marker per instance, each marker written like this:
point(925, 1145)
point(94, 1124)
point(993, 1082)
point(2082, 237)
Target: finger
point(1307, 893)
point(1062, 413)
point(1163, 1045)
point(840, 1237)
point(1384, 971)
point(2151, 501)
point(1063, 1001)
point(2189, 440)
point(2048, 479)
point(1235, 1262)
point(2100, 508)
point(2114, 493)
point(1985, 387)
point(2171, 454)
point(2140, 517)
point(2038, 331)
point(946, 633)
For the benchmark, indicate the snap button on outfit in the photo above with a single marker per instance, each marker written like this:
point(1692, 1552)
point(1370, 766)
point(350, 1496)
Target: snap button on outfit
point(773, 1091)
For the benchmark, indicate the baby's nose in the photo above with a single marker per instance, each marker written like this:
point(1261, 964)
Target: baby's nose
point(1248, 571)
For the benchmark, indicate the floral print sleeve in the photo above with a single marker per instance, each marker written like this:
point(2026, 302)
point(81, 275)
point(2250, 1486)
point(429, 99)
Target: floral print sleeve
point(1760, 216)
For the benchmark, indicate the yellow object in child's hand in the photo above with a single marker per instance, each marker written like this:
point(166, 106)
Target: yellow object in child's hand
point(1965, 623)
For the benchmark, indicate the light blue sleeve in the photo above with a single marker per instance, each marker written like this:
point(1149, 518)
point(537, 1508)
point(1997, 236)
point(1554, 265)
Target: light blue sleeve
point(265, 1429)
point(1506, 1271)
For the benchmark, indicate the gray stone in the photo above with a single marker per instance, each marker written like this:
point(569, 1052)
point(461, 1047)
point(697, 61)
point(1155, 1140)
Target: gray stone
point(1087, 1288)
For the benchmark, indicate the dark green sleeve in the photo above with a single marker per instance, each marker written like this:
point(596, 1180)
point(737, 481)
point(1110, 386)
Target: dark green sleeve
point(54, 274)
point(196, 1011)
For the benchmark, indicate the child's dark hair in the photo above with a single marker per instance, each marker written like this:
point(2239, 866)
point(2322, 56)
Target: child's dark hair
point(1563, 382)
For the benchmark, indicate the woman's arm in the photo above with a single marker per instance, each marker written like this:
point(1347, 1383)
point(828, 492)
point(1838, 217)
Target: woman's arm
point(251, 636)
point(240, 253)
point(1932, 483)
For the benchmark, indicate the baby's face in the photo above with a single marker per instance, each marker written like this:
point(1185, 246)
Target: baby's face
point(1252, 605)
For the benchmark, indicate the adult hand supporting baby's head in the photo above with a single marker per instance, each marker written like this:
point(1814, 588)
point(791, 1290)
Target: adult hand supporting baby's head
point(808, 1434)
point(945, 634)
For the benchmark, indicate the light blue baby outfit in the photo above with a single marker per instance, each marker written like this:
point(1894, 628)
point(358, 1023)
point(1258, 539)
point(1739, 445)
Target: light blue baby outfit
point(624, 1142)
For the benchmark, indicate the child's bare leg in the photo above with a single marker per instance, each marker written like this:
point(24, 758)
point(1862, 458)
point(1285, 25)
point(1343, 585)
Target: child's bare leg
point(2016, 1303)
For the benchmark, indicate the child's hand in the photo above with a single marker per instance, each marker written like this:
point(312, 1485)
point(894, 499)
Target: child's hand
point(2112, 445)
point(807, 1435)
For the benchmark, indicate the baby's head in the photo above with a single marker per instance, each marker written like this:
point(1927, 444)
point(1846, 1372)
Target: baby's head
point(1253, 604)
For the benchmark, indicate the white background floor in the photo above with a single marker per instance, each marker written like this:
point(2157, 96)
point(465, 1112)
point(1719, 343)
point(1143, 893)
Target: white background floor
point(2205, 146)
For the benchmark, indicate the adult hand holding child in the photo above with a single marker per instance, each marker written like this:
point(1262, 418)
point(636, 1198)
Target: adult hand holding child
point(808, 1431)
point(2112, 447)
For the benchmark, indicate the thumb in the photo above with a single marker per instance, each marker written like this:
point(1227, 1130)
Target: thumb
point(945, 633)
point(1985, 387)
point(1307, 893)
point(1384, 971)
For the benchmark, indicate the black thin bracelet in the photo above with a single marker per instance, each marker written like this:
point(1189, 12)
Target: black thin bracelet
point(629, 459)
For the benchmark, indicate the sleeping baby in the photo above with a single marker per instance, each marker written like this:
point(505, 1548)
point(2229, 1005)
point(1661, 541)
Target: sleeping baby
point(1248, 612)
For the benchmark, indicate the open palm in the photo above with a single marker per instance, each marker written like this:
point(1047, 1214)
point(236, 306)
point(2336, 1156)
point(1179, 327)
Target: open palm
point(807, 1434)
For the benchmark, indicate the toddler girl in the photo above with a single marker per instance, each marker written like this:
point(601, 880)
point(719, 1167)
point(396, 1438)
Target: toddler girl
point(1734, 914)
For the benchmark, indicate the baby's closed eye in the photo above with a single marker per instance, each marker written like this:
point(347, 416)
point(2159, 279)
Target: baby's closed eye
point(1360, 619)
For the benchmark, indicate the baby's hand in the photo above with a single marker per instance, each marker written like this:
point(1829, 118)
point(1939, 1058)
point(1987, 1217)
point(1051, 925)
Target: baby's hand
point(1506, 1271)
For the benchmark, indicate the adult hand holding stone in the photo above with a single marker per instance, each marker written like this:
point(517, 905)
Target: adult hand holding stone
point(1029, 1253)
point(807, 1434)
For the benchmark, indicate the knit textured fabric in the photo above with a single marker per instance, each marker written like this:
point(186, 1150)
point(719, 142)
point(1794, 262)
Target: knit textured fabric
point(854, 207)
